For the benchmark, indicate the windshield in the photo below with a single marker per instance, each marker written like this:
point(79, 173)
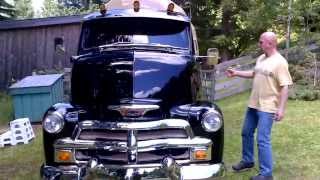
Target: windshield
point(136, 31)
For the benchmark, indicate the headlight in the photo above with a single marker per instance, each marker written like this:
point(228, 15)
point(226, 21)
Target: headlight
point(53, 123)
point(211, 121)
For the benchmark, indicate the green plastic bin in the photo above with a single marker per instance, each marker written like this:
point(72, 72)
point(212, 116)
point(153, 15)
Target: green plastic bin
point(33, 95)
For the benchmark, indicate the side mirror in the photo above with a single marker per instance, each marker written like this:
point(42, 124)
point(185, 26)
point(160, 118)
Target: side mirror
point(213, 56)
point(211, 59)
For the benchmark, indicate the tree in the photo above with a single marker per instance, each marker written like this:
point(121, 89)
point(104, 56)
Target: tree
point(205, 17)
point(24, 9)
point(53, 8)
point(305, 18)
point(233, 26)
point(68, 7)
point(80, 4)
point(6, 10)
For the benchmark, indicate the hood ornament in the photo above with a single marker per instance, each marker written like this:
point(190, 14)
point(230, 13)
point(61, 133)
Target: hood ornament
point(133, 110)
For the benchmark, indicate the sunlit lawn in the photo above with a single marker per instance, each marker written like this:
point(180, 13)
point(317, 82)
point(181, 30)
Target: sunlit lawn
point(296, 144)
point(22, 161)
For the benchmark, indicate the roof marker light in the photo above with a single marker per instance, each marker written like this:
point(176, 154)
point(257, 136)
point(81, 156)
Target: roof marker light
point(170, 8)
point(103, 9)
point(136, 6)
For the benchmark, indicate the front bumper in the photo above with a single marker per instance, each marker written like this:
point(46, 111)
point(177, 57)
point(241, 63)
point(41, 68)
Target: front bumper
point(169, 169)
point(135, 153)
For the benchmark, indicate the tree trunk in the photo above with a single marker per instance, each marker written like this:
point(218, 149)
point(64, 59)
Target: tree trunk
point(227, 30)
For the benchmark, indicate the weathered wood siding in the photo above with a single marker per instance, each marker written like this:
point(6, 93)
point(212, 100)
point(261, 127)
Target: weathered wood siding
point(225, 86)
point(23, 51)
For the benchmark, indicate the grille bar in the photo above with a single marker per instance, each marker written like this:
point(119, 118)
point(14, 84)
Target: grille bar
point(142, 135)
point(138, 126)
point(155, 156)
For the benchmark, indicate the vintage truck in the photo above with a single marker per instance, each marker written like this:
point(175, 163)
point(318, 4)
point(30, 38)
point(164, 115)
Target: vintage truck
point(134, 112)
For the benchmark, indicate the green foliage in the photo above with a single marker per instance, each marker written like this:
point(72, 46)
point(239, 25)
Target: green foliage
point(206, 18)
point(302, 69)
point(6, 10)
point(80, 3)
point(306, 13)
point(24, 9)
point(233, 26)
point(6, 111)
point(54, 8)
point(306, 92)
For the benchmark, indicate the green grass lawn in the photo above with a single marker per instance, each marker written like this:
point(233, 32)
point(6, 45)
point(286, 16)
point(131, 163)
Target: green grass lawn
point(22, 161)
point(296, 144)
point(295, 140)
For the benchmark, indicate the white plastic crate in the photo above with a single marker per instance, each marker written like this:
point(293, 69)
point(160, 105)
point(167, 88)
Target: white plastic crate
point(20, 132)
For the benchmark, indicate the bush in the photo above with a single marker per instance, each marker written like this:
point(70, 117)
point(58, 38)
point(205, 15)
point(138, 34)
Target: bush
point(296, 72)
point(6, 110)
point(302, 69)
point(306, 93)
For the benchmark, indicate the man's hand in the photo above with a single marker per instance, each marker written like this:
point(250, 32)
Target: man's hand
point(282, 104)
point(278, 116)
point(230, 72)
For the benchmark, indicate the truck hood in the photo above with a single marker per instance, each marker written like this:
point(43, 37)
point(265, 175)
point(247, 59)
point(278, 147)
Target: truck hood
point(129, 77)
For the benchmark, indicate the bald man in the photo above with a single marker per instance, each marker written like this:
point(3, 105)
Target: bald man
point(267, 102)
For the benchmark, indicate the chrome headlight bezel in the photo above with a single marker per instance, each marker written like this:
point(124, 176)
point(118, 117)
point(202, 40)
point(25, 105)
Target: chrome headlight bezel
point(53, 122)
point(211, 121)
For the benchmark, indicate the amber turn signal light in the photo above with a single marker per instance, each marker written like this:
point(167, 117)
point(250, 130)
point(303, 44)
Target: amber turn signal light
point(200, 155)
point(64, 155)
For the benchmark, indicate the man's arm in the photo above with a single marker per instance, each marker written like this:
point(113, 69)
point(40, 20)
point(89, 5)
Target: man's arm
point(282, 102)
point(244, 74)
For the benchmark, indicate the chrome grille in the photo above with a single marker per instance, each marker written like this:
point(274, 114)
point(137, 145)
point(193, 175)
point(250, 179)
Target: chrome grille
point(103, 135)
point(122, 135)
point(104, 156)
point(119, 158)
point(119, 143)
point(157, 156)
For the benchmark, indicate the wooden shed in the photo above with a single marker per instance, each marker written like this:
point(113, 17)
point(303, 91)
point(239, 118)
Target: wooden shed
point(30, 45)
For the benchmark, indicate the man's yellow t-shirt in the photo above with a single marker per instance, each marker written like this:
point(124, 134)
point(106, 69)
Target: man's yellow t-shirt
point(270, 73)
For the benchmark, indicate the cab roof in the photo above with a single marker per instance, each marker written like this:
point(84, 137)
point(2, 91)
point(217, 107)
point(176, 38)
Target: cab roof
point(148, 9)
point(157, 5)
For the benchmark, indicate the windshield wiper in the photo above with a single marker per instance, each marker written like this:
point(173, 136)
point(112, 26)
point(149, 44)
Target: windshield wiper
point(167, 46)
point(140, 46)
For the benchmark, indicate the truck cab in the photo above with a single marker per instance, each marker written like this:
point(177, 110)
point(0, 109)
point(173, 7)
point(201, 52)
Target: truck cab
point(134, 111)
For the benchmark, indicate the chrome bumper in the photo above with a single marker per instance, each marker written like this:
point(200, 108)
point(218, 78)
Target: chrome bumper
point(169, 169)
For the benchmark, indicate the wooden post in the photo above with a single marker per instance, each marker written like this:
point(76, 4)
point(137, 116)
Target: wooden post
point(315, 70)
